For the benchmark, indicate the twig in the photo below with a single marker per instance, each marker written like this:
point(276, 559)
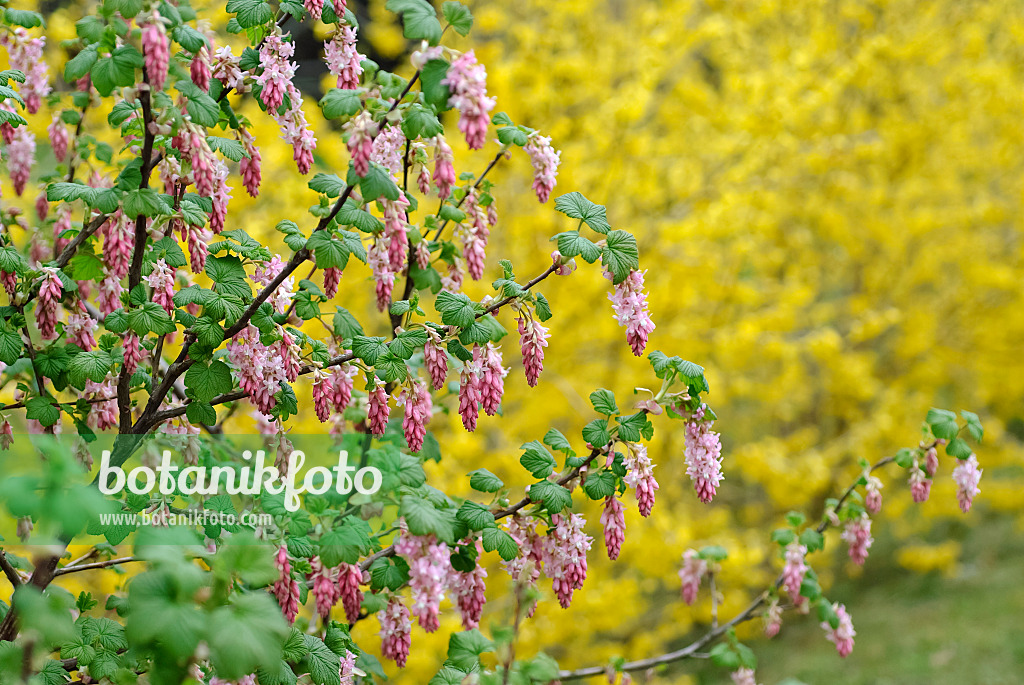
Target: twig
point(501, 153)
point(9, 571)
point(96, 564)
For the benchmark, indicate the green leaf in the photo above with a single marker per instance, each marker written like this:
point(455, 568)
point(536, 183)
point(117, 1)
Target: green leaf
point(465, 648)
point(571, 244)
point(620, 254)
point(600, 485)
point(144, 201)
point(323, 664)
point(456, 309)
point(327, 184)
point(474, 515)
point(408, 342)
point(250, 13)
point(554, 496)
point(344, 544)
point(419, 19)
point(43, 409)
point(80, 65)
point(24, 18)
point(85, 266)
point(116, 70)
point(93, 365)
point(339, 102)
point(346, 325)
point(201, 412)
point(604, 402)
point(958, 447)
point(943, 423)
point(352, 215)
point(11, 346)
point(228, 147)
point(327, 250)
point(498, 539)
point(973, 425)
point(188, 38)
point(376, 184)
point(423, 519)
point(389, 573)
point(420, 122)
point(596, 433)
point(783, 536)
point(556, 441)
point(537, 460)
point(206, 382)
point(812, 540)
point(576, 206)
point(368, 349)
point(632, 427)
point(247, 634)
point(126, 8)
point(483, 480)
point(459, 16)
point(150, 318)
point(435, 93)
point(208, 331)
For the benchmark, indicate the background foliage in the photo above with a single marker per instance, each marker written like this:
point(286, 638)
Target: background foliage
point(828, 197)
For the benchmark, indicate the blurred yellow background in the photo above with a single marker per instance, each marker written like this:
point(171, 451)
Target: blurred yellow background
point(828, 197)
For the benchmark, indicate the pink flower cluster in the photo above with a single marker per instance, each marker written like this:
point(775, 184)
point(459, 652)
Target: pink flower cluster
point(469, 393)
point(773, 618)
point(277, 81)
point(21, 155)
point(743, 676)
point(260, 369)
point(691, 574)
point(378, 258)
point(468, 592)
point(467, 81)
point(132, 352)
point(343, 58)
point(250, 166)
point(533, 338)
point(967, 476)
point(475, 235)
point(640, 476)
point(794, 571)
point(285, 588)
point(190, 141)
point(418, 410)
point(157, 51)
point(378, 411)
point(395, 631)
point(545, 160)
point(326, 590)
point(199, 69)
point(873, 494)
point(492, 377)
point(350, 576)
point(629, 301)
point(444, 169)
point(80, 328)
point(857, 534)
point(26, 55)
point(102, 415)
point(161, 280)
point(566, 560)
point(118, 244)
point(841, 636)
point(50, 292)
point(435, 359)
point(361, 130)
point(703, 455)
point(59, 138)
point(613, 518)
point(225, 68)
point(429, 566)
point(265, 274)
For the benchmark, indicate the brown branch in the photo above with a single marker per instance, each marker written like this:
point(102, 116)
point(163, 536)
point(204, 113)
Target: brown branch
point(501, 153)
point(94, 565)
point(9, 571)
point(41, 577)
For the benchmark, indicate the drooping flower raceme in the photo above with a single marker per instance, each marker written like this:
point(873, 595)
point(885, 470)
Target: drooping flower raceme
point(692, 572)
point(967, 476)
point(285, 588)
point(59, 138)
point(395, 631)
point(325, 588)
point(418, 410)
point(21, 155)
point(469, 393)
point(613, 518)
point(350, 576)
point(50, 293)
point(794, 571)
point(640, 476)
point(467, 81)
point(857, 534)
point(377, 414)
point(920, 483)
point(703, 455)
point(343, 58)
point(161, 280)
point(533, 338)
point(492, 377)
point(157, 51)
point(199, 68)
point(429, 566)
point(773, 618)
point(361, 129)
point(743, 676)
point(566, 560)
point(435, 358)
point(468, 592)
point(873, 494)
point(544, 159)
point(629, 302)
point(841, 636)
point(444, 170)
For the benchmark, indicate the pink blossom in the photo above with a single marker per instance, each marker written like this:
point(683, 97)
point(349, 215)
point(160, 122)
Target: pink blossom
point(21, 155)
point(80, 328)
point(629, 301)
point(920, 484)
point(444, 170)
point(857, 534)
point(250, 166)
point(394, 231)
point(291, 356)
point(533, 338)
point(361, 129)
point(350, 576)
point(469, 393)
point(102, 415)
point(692, 572)
point(198, 239)
point(377, 415)
point(794, 571)
point(259, 368)
point(532, 549)
point(468, 593)
point(842, 636)
point(743, 676)
point(931, 461)
point(161, 280)
point(418, 411)
point(157, 51)
point(50, 293)
point(346, 669)
point(475, 235)
point(286, 589)
point(325, 589)
point(395, 631)
point(389, 149)
point(60, 226)
point(332, 278)
point(544, 159)
point(314, 7)
point(59, 138)
point(278, 71)
point(109, 295)
point(429, 566)
point(773, 618)
point(26, 55)
point(640, 476)
point(343, 58)
point(10, 282)
point(379, 261)
point(199, 69)
point(322, 395)
point(191, 142)
point(613, 518)
point(6, 435)
point(566, 562)
point(226, 70)
point(703, 455)
point(435, 358)
point(265, 274)
point(967, 476)
point(873, 494)
point(492, 377)
point(467, 81)
point(341, 386)
point(220, 197)
point(132, 352)
point(42, 205)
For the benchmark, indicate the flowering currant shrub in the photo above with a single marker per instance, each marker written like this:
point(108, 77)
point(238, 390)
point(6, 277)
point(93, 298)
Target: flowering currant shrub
point(139, 314)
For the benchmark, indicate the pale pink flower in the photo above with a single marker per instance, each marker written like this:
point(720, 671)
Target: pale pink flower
point(566, 561)
point(794, 571)
point(469, 393)
point(444, 170)
point(102, 415)
point(703, 455)
point(395, 631)
point(967, 476)
point(325, 588)
point(629, 301)
point(920, 484)
point(343, 58)
point(842, 636)
point(379, 261)
point(743, 676)
point(59, 138)
point(467, 81)
point(857, 534)
point(21, 155)
point(377, 414)
point(429, 566)
point(109, 295)
point(389, 150)
point(640, 476)
point(773, 618)
point(468, 592)
point(341, 386)
point(394, 231)
point(544, 159)
point(161, 280)
point(418, 411)
point(50, 292)
point(220, 197)
point(26, 55)
point(873, 494)
point(80, 328)
point(692, 572)
point(278, 70)
point(265, 274)
point(225, 69)
point(361, 129)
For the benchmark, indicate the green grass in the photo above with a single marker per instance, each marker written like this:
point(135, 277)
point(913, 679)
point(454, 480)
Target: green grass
point(913, 629)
